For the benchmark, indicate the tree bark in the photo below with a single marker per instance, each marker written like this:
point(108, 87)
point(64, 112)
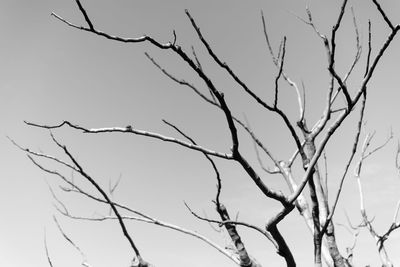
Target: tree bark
point(283, 249)
point(320, 202)
point(245, 259)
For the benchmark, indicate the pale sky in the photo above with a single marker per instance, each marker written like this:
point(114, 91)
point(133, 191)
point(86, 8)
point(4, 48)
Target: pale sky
point(51, 72)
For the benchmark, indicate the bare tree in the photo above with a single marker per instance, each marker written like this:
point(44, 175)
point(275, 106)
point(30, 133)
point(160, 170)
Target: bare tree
point(310, 143)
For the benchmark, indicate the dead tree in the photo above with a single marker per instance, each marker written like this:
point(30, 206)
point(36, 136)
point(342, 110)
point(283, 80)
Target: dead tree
point(310, 142)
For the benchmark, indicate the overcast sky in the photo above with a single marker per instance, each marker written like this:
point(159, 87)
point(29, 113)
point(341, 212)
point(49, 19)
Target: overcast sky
point(50, 72)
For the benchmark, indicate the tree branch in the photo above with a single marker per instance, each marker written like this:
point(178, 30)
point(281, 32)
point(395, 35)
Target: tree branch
point(131, 130)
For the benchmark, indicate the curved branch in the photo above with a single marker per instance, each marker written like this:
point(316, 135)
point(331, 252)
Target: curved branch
point(129, 129)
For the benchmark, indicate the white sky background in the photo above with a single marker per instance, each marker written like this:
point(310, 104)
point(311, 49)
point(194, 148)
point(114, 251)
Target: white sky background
point(50, 72)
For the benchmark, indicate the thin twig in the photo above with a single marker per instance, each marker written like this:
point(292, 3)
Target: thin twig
point(84, 261)
point(47, 251)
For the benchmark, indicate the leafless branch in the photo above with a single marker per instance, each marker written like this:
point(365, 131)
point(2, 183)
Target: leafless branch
point(214, 103)
point(178, 50)
point(311, 23)
point(242, 84)
point(264, 168)
point(371, 69)
point(84, 261)
point(344, 114)
point(245, 259)
point(390, 137)
point(219, 186)
point(183, 82)
point(143, 217)
point(113, 187)
point(378, 6)
point(38, 154)
point(64, 208)
point(80, 170)
point(279, 73)
point(91, 29)
point(275, 60)
point(353, 152)
point(354, 231)
point(365, 154)
point(369, 48)
point(277, 195)
point(161, 224)
point(105, 196)
point(257, 143)
point(47, 251)
point(343, 87)
point(356, 57)
point(380, 239)
point(358, 49)
point(130, 130)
